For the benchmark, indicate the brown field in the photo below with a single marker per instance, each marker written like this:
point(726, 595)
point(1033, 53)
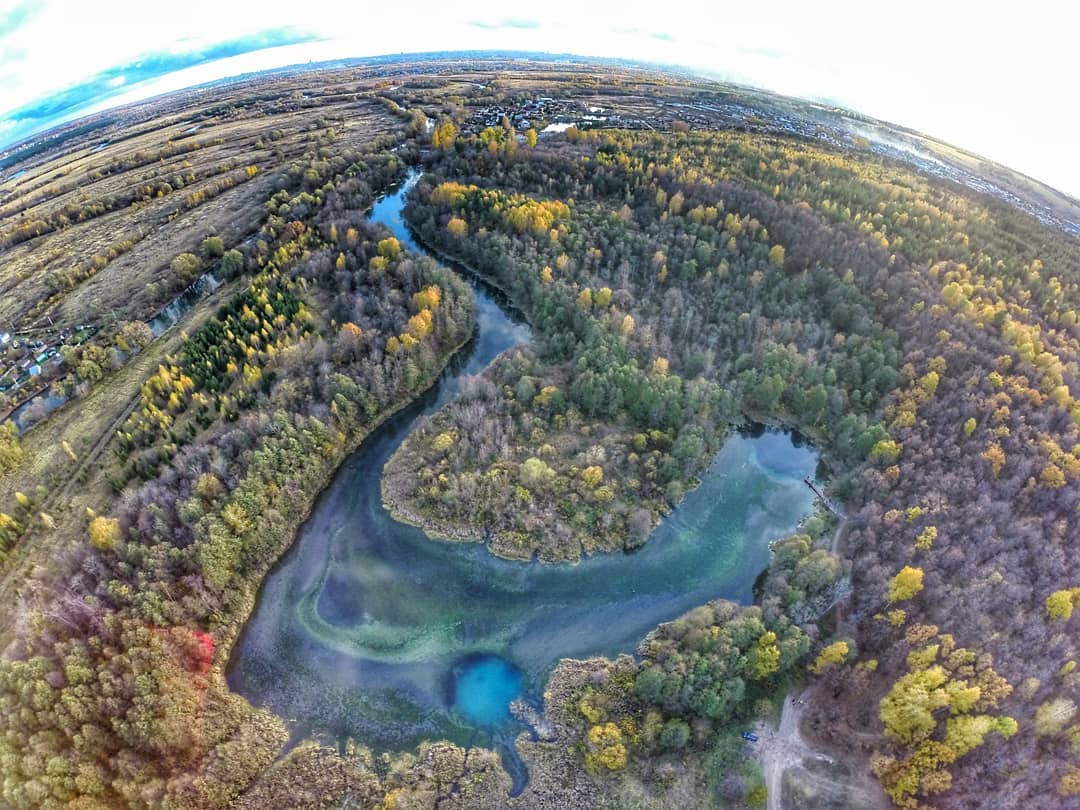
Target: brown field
point(229, 140)
point(266, 129)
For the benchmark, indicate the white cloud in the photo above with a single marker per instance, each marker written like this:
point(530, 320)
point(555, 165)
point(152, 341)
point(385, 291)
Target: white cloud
point(997, 82)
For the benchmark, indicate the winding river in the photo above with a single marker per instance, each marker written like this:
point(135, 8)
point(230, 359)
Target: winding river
point(367, 629)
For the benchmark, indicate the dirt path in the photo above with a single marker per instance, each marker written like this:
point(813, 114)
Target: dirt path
point(818, 780)
point(784, 747)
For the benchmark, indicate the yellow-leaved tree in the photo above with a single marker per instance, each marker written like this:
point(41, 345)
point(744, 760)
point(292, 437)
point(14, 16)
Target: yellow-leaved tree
point(907, 583)
point(834, 654)
point(1060, 604)
point(104, 533)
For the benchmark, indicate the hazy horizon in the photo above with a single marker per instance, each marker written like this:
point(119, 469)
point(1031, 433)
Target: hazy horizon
point(940, 79)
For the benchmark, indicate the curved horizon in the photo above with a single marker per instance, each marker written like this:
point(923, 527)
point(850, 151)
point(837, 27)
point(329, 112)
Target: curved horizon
point(984, 108)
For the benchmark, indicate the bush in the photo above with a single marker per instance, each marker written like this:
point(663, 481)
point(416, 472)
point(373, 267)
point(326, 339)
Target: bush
point(675, 734)
point(186, 267)
point(11, 451)
point(232, 264)
point(104, 533)
point(212, 247)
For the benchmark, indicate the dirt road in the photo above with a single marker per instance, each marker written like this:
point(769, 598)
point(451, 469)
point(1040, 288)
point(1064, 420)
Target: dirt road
point(783, 747)
point(817, 780)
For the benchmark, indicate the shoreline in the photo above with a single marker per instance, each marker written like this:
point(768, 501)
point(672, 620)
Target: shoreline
point(399, 505)
point(400, 508)
point(483, 278)
point(294, 523)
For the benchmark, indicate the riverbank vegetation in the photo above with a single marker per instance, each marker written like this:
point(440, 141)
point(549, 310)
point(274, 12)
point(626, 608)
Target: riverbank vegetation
point(926, 338)
point(76, 301)
point(112, 691)
point(581, 443)
point(666, 727)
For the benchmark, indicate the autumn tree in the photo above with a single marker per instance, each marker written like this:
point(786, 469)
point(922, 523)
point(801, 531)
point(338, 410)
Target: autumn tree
point(457, 227)
point(906, 584)
point(926, 538)
point(1052, 717)
point(908, 710)
point(11, 450)
point(133, 336)
point(592, 475)
point(444, 135)
point(534, 473)
point(104, 532)
point(832, 655)
point(186, 266)
point(389, 248)
point(212, 247)
point(1060, 604)
point(776, 256)
point(605, 748)
point(349, 339)
point(585, 300)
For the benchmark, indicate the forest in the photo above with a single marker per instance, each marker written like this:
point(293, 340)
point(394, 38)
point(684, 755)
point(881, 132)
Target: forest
point(112, 693)
point(926, 339)
point(680, 282)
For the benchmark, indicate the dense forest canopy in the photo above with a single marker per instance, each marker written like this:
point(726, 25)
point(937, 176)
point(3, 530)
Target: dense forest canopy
point(928, 340)
point(678, 283)
point(107, 696)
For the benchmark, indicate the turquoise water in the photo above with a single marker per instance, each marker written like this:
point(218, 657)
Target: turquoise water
point(483, 688)
point(368, 629)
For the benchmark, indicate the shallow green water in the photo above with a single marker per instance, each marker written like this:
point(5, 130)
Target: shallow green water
point(367, 629)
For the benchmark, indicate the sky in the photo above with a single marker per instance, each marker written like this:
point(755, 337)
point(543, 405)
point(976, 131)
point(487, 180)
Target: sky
point(1000, 83)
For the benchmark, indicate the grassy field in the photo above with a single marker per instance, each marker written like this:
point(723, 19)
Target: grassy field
point(172, 177)
point(68, 455)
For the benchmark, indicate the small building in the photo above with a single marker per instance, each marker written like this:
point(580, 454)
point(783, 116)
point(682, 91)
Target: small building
point(35, 370)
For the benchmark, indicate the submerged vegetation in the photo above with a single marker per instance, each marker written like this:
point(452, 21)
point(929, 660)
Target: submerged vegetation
point(229, 444)
point(926, 339)
point(924, 336)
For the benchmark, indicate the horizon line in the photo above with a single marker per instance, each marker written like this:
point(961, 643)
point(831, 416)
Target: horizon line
point(102, 107)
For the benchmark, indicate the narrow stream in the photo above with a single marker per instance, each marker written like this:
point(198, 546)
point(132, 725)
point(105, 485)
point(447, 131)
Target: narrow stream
point(366, 629)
